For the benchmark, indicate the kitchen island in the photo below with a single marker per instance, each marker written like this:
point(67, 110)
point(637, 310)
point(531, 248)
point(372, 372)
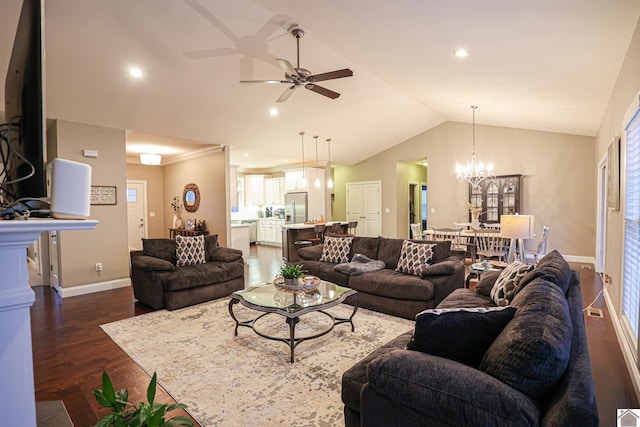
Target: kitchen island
point(292, 233)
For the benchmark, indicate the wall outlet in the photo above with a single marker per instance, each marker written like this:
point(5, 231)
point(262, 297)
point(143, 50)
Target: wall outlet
point(98, 267)
point(594, 312)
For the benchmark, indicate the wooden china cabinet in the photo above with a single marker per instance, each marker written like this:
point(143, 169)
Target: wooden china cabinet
point(499, 196)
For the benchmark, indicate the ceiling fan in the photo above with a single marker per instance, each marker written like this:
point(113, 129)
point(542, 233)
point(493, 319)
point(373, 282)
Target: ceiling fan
point(301, 77)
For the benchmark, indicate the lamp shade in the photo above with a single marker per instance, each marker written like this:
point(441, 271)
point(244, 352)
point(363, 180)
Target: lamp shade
point(150, 159)
point(516, 226)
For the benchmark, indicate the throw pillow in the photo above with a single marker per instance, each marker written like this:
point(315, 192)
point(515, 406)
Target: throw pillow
point(460, 334)
point(505, 286)
point(189, 250)
point(336, 249)
point(414, 257)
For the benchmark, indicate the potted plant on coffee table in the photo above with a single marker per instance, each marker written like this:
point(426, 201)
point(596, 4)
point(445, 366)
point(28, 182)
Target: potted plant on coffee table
point(291, 274)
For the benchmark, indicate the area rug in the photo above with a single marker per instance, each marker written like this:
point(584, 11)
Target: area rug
point(247, 380)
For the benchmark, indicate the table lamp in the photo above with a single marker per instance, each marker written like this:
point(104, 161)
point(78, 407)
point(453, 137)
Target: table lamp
point(516, 227)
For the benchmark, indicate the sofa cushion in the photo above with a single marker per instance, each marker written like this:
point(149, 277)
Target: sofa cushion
point(189, 250)
point(325, 270)
point(192, 276)
point(504, 288)
point(210, 245)
point(442, 268)
point(392, 284)
point(486, 282)
point(160, 248)
point(313, 252)
point(367, 246)
point(464, 297)
point(414, 258)
point(223, 254)
point(460, 334)
point(532, 352)
point(553, 267)
point(336, 249)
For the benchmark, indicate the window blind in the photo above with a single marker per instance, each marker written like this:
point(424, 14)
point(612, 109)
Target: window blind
point(631, 255)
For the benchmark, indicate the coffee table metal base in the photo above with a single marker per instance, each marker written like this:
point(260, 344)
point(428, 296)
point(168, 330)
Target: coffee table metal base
point(292, 341)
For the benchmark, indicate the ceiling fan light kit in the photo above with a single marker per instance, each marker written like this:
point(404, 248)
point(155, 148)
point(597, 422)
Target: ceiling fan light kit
point(301, 77)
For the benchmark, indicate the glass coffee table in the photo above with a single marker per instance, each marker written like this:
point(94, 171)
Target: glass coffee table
point(270, 300)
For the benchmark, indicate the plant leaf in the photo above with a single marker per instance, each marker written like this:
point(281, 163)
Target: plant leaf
point(151, 391)
point(179, 421)
point(107, 387)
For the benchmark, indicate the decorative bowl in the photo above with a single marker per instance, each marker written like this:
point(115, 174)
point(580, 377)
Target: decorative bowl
point(279, 283)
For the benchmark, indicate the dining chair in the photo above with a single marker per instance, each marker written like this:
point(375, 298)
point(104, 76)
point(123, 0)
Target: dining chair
point(416, 232)
point(541, 250)
point(492, 225)
point(490, 245)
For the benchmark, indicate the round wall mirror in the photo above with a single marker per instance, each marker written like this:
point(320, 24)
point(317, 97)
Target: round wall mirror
point(191, 198)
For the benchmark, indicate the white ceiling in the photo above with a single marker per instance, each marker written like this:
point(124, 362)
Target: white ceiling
point(545, 65)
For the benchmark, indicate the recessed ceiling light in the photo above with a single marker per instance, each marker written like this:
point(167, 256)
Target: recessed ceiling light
point(135, 72)
point(245, 155)
point(285, 160)
point(273, 111)
point(461, 53)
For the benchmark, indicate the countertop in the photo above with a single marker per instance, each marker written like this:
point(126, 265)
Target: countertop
point(239, 225)
point(305, 226)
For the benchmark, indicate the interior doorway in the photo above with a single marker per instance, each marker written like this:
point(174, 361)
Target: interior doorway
point(423, 205)
point(364, 205)
point(414, 204)
point(136, 213)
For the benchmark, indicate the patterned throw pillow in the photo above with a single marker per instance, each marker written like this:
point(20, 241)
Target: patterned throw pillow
point(505, 286)
point(189, 250)
point(336, 249)
point(415, 257)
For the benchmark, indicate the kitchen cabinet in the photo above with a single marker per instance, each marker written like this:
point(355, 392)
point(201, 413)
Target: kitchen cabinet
point(274, 189)
point(270, 231)
point(254, 190)
point(294, 180)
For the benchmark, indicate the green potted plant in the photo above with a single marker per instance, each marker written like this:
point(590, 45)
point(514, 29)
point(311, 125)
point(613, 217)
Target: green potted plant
point(291, 274)
point(123, 413)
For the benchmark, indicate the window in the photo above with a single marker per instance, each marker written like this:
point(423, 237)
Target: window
point(631, 249)
point(132, 195)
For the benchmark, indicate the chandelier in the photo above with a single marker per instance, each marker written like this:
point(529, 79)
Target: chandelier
point(475, 172)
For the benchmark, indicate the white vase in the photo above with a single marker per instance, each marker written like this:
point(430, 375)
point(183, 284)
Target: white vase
point(475, 223)
point(175, 219)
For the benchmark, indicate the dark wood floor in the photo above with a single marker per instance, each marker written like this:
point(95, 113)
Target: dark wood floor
point(70, 350)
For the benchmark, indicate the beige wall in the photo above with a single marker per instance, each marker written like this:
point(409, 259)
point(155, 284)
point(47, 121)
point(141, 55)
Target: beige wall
point(153, 175)
point(624, 93)
point(81, 250)
point(558, 185)
point(208, 172)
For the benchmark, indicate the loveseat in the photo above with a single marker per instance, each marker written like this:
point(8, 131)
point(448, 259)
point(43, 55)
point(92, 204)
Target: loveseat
point(387, 290)
point(524, 364)
point(159, 282)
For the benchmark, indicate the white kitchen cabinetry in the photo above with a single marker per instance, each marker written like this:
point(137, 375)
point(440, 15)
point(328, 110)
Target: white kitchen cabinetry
point(254, 190)
point(274, 189)
point(270, 231)
point(294, 180)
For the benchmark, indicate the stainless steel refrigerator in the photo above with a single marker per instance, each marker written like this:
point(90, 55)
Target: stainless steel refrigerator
point(295, 208)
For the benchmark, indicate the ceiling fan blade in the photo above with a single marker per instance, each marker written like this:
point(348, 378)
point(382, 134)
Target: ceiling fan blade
point(265, 81)
point(286, 94)
point(287, 67)
point(322, 91)
point(338, 74)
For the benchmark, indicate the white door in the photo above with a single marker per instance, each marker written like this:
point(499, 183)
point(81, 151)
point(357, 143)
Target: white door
point(136, 213)
point(363, 205)
point(54, 275)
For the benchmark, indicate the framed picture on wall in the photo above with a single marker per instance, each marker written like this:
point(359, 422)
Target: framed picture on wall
point(613, 174)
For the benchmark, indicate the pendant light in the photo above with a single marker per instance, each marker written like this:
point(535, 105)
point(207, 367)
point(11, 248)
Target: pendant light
point(303, 182)
point(317, 182)
point(329, 181)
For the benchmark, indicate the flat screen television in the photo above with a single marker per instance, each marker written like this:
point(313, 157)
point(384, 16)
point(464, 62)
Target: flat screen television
point(25, 161)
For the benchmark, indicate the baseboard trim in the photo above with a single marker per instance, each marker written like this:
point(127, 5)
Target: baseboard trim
point(580, 259)
point(93, 287)
point(627, 353)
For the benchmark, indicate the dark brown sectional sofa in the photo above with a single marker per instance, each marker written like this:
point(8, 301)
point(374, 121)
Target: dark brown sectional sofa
point(389, 291)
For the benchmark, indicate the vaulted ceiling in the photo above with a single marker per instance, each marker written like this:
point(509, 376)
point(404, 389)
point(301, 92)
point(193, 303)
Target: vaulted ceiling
point(545, 65)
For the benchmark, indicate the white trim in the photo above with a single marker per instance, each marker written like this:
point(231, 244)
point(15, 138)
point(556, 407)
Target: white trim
point(627, 352)
point(580, 258)
point(193, 154)
point(93, 287)
point(631, 111)
point(144, 205)
point(601, 223)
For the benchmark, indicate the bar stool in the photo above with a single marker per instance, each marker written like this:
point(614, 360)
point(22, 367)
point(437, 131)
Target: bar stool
point(351, 228)
point(319, 230)
point(336, 228)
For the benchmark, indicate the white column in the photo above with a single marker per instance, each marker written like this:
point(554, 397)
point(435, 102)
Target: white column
point(17, 397)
